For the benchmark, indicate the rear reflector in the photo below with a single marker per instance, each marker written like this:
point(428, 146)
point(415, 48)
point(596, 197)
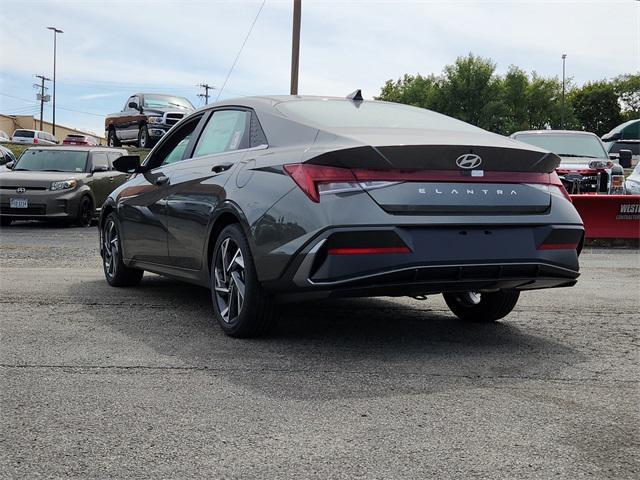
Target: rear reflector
point(558, 246)
point(367, 251)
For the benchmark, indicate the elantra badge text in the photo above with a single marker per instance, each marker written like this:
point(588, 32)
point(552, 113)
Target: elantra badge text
point(469, 191)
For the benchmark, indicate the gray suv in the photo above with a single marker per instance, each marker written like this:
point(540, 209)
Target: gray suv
point(59, 183)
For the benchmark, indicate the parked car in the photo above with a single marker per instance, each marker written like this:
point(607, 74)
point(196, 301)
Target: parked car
point(625, 136)
point(145, 118)
point(4, 138)
point(6, 158)
point(633, 181)
point(59, 183)
point(77, 139)
point(271, 199)
point(585, 166)
point(35, 137)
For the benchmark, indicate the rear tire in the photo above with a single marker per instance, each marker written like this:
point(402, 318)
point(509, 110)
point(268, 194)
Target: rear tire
point(115, 271)
point(240, 305)
point(482, 307)
point(112, 139)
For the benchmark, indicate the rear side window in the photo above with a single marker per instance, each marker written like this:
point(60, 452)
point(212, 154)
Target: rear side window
point(256, 134)
point(225, 132)
point(112, 156)
point(99, 160)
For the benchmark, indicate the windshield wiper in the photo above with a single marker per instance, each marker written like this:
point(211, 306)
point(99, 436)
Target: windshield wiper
point(21, 170)
point(52, 170)
point(177, 105)
point(575, 156)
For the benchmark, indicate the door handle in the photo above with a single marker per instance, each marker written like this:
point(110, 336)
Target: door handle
point(111, 179)
point(222, 167)
point(162, 180)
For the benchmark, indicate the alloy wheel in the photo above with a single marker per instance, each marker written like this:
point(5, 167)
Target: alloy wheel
point(229, 280)
point(110, 248)
point(470, 299)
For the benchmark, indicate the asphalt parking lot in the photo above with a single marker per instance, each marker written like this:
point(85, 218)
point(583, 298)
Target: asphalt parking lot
point(136, 383)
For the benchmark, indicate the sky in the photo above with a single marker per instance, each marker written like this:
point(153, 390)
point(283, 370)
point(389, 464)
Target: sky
point(110, 50)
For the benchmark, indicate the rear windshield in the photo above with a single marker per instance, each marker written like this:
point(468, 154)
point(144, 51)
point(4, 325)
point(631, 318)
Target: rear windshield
point(52, 161)
point(566, 145)
point(334, 113)
point(24, 133)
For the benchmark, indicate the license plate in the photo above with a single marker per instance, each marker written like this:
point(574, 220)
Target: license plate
point(18, 203)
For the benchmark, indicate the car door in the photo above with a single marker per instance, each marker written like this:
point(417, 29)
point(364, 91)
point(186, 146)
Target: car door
point(197, 185)
point(101, 178)
point(126, 127)
point(142, 203)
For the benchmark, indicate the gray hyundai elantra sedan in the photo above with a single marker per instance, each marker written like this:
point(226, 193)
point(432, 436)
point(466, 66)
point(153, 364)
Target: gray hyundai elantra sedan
point(276, 199)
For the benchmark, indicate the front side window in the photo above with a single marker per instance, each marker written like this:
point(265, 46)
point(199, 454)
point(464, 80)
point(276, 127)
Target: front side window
point(55, 160)
point(172, 148)
point(224, 132)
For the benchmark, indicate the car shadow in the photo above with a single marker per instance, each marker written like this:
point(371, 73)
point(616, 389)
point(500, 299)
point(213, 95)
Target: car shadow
point(355, 347)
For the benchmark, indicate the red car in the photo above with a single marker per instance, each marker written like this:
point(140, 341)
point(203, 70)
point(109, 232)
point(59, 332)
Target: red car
point(73, 139)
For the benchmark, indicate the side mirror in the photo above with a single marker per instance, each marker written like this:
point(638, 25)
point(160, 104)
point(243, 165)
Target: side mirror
point(128, 164)
point(611, 137)
point(133, 105)
point(9, 165)
point(99, 168)
point(624, 158)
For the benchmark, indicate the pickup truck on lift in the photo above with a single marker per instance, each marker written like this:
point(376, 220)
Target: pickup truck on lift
point(145, 118)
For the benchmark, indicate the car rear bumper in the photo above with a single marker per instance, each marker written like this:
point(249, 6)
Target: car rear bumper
point(438, 259)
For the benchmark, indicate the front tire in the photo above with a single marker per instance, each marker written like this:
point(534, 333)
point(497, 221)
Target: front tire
point(115, 271)
point(482, 307)
point(85, 212)
point(144, 140)
point(241, 307)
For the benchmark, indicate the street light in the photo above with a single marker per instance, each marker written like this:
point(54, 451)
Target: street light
point(564, 58)
point(56, 31)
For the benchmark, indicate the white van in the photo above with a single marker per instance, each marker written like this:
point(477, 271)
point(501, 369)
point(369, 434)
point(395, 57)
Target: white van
point(35, 137)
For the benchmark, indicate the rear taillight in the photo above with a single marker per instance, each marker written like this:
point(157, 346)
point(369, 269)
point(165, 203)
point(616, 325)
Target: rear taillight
point(316, 179)
point(557, 187)
point(35, 141)
point(558, 246)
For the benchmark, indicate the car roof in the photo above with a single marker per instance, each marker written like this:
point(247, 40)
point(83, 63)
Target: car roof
point(79, 148)
point(553, 132)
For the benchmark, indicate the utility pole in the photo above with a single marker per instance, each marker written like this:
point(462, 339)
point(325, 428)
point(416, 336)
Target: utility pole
point(55, 31)
point(206, 95)
point(42, 95)
point(295, 46)
point(564, 58)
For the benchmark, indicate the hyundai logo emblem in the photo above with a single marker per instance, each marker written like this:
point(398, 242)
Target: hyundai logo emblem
point(468, 161)
point(21, 190)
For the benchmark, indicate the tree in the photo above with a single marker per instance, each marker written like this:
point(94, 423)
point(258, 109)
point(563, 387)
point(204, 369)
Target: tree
point(514, 96)
point(627, 87)
point(596, 107)
point(470, 91)
point(413, 90)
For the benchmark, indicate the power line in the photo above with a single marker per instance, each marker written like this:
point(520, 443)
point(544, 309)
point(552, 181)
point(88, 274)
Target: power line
point(58, 106)
point(240, 51)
